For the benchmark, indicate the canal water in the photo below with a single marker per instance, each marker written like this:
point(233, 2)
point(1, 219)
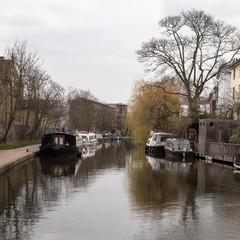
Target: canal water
point(118, 192)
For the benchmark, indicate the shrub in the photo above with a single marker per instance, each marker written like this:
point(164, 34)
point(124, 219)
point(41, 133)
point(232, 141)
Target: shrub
point(235, 139)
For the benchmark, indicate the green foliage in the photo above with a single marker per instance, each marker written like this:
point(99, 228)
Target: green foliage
point(235, 139)
point(152, 109)
point(196, 114)
point(208, 115)
point(18, 145)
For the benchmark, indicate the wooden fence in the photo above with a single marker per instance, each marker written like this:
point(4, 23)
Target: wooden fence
point(221, 151)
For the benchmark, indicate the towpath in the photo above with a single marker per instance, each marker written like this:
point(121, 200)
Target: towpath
point(12, 157)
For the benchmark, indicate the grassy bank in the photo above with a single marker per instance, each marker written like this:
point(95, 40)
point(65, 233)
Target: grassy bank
point(18, 145)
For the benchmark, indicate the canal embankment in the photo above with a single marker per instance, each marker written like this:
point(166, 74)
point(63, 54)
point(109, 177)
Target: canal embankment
point(12, 157)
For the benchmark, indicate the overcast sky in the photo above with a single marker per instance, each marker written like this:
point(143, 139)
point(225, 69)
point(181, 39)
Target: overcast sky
point(91, 44)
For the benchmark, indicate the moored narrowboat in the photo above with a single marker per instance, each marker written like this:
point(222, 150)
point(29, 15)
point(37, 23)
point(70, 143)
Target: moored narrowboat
point(179, 149)
point(61, 143)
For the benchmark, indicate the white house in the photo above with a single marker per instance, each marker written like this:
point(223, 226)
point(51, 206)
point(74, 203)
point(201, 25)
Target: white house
point(235, 88)
point(220, 97)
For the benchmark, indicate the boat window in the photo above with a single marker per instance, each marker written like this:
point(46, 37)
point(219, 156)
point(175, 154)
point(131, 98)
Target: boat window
point(71, 139)
point(164, 139)
point(84, 138)
point(78, 141)
point(158, 138)
point(60, 140)
point(155, 137)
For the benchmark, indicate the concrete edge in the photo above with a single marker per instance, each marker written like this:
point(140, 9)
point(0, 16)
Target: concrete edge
point(6, 168)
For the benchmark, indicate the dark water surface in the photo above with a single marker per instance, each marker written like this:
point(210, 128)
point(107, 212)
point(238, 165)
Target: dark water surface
point(119, 193)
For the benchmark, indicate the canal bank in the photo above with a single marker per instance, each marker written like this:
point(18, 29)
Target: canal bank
point(12, 157)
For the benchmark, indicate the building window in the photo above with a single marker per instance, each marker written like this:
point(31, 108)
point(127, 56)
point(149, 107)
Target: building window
point(233, 93)
point(234, 73)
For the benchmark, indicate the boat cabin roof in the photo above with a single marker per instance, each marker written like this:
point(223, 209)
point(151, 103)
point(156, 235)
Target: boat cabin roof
point(178, 143)
point(162, 133)
point(60, 133)
point(60, 138)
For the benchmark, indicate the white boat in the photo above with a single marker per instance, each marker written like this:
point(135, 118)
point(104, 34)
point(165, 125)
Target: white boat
point(179, 149)
point(236, 162)
point(88, 138)
point(156, 143)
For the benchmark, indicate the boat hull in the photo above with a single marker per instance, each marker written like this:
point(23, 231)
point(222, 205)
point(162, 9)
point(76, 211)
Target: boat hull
point(179, 155)
point(155, 149)
point(57, 150)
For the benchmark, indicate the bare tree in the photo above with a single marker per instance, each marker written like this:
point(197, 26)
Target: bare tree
point(33, 99)
point(81, 109)
point(193, 48)
point(104, 118)
point(47, 107)
point(21, 66)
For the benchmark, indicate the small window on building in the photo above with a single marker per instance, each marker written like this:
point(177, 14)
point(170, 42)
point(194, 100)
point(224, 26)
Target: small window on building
point(233, 93)
point(234, 72)
point(211, 124)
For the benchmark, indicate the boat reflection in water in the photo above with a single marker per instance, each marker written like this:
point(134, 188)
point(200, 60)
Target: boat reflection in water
point(60, 166)
point(160, 164)
point(155, 162)
point(66, 165)
point(90, 151)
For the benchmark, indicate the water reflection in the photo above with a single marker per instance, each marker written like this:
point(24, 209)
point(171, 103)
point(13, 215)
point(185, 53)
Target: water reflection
point(28, 192)
point(158, 181)
point(185, 196)
point(60, 167)
point(117, 192)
